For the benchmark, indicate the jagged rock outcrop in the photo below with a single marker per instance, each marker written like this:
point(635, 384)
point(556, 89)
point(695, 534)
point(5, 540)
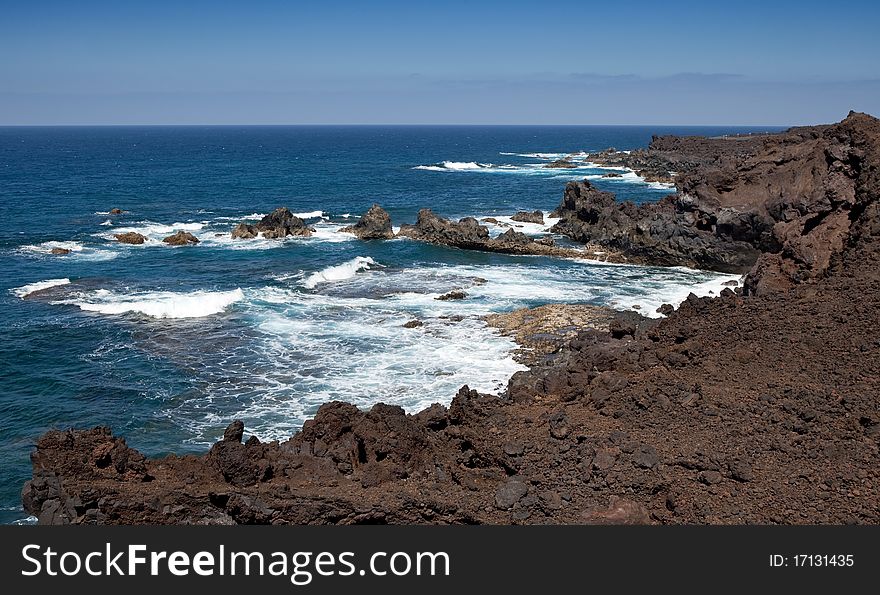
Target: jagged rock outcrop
point(375, 224)
point(245, 231)
point(181, 238)
point(278, 224)
point(666, 233)
point(779, 206)
point(130, 237)
point(467, 233)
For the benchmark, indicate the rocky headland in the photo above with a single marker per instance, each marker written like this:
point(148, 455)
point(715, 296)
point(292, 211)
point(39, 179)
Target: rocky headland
point(756, 406)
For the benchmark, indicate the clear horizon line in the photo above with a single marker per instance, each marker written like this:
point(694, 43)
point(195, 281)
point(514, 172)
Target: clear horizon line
point(362, 124)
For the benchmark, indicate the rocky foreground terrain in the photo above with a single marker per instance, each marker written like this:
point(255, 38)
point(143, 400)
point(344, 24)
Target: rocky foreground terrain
point(757, 406)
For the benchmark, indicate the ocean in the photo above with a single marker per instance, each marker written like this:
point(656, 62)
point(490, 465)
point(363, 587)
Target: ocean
point(167, 345)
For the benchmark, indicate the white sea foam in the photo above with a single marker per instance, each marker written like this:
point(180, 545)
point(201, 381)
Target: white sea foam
point(339, 272)
point(161, 304)
point(30, 288)
point(310, 214)
point(108, 222)
point(78, 251)
point(47, 247)
point(505, 222)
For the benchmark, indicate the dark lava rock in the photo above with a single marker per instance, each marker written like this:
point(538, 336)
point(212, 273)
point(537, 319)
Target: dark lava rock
point(452, 295)
point(413, 324)
point(612, 174)
point(375, 224)
point(561, 164)
point(710, 477)
point(666, 309)
point(646, 456)
point(281, 223)
point(181, 238)
point(244, 231)
point(526, 217)
point(130, 237)
point(509, 493)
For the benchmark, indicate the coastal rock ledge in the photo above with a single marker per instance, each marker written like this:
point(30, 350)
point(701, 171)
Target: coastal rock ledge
point(752, 407)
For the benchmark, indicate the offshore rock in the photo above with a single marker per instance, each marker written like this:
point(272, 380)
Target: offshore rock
point(375, 224)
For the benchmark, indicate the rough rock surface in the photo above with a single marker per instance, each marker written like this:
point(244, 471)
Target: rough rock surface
point(130, 237)
point(756, 408)
point(526, 217)
point(181, 238)
point(60, 251)
point(280, 223)
point(245, 231)
point(467, 233)
point(778, 206)
point(375, 224)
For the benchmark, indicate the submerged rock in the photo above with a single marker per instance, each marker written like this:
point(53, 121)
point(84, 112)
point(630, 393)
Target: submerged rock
point(181, 238)
point(375, 224)
point(60, 251)
point(130, 237)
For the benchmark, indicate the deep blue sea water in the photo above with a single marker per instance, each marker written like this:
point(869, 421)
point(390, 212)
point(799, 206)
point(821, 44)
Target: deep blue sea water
point(168, 345)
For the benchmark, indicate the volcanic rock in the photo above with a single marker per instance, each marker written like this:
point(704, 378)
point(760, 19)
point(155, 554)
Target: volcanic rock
point(130, 237)
point(244, 231)
point(561, 164)
point(60, 251)
point(375, 224)
point(181, 238)
point(281, 223)
point(526, 217)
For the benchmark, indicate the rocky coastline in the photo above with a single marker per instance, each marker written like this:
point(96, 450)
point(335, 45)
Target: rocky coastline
point(756, 406)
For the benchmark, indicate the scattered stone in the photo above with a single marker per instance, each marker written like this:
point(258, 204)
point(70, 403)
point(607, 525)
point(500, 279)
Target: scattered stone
point(559, 428)
point(620, 511)
point(710, 477)
point(513, 449)
point(509, 493)
point(646, 457)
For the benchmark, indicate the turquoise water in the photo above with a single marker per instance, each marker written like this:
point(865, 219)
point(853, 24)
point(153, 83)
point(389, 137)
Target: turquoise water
point(167, 345)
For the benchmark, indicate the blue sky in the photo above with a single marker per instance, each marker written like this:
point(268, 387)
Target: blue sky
point(512, 62)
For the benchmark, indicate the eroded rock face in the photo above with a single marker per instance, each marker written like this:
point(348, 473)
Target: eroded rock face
point(130, 237)
point(778, 206)
point(375, 224)
point(664, 233)
point(278, 224)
